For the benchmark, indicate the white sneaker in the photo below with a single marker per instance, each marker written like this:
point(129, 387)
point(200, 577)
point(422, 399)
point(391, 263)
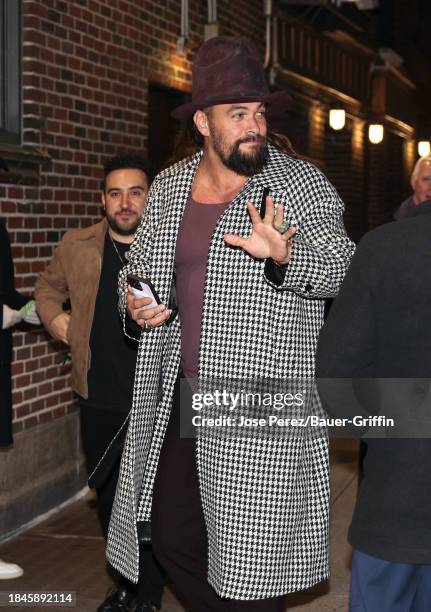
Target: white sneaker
point(10, 570)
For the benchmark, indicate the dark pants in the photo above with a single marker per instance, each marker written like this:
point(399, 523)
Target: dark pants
point(98, 427)
point(178, 527)
point(381, 586)
point(5, 403)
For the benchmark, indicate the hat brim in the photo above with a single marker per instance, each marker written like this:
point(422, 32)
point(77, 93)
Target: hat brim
point(277, 102)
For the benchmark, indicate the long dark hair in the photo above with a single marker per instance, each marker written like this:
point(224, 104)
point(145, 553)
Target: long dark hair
point(189, 140)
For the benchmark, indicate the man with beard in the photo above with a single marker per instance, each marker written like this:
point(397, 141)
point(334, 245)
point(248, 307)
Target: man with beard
point(85, 270)
point(237, 522)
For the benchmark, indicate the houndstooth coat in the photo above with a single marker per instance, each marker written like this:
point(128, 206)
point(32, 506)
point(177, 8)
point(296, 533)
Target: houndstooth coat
point(265, 501)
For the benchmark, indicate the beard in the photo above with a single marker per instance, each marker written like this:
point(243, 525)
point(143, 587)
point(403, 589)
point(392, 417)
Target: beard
point(121, 228)
point(241, 163)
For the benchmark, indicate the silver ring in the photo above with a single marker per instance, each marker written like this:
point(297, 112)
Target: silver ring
point(281, 229)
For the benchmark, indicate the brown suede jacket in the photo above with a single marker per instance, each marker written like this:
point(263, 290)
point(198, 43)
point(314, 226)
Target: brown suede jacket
point(74, 273)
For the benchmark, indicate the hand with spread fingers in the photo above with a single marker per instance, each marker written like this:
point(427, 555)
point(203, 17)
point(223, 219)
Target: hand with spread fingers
point(147, 318)
point(269, 238)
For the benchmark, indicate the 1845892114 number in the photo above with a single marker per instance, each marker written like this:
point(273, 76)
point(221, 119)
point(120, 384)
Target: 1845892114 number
point(65, 599)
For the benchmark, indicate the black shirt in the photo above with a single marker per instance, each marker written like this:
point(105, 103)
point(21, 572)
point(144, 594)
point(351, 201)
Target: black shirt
point(113, 355)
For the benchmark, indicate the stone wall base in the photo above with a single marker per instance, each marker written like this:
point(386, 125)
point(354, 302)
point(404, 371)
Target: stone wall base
point(44, 468)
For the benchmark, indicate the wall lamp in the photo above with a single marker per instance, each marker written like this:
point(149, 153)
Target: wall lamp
point(424, 148)
point(337, 118)
point(375, 133)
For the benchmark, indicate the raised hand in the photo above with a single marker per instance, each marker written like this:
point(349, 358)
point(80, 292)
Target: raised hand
point(269, 238)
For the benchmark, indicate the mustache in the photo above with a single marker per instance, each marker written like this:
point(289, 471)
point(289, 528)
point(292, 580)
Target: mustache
point(252, 138)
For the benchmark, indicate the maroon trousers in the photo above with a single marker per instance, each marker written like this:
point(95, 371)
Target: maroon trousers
point(178, 529)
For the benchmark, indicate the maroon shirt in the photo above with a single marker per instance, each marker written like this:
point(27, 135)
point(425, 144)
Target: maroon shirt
point(194, 237)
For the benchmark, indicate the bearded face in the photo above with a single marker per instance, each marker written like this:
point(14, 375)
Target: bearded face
point(124, 199)
point(237, 134)
point(243, 161)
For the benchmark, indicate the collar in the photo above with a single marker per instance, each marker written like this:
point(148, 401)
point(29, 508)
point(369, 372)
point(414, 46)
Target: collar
point(420, 209)
point(95, 232)
point(273, 175)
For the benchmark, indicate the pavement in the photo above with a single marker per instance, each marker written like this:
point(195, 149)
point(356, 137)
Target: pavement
point(66, 552)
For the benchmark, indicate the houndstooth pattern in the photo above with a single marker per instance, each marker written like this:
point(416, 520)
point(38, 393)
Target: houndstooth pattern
point(265, 500)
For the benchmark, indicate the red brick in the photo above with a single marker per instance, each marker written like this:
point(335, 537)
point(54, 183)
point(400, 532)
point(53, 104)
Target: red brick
point(45, 388)
point(59, 412)
point(35, 36)
point(22, 411)
point(37, 377)
point(17, 367)
point(14, 222)
point(31, 365)
point(9, 207)
point(17, 397)
point(52, 400)
point(35, 8)
point(30, 422)
point(22, 381)
point(44, 417)
point(23, 354)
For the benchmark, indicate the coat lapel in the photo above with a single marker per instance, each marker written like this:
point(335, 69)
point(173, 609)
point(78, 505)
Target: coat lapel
point(172, 206)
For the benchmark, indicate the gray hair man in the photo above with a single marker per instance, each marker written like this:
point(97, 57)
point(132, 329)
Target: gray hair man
point(421, 185)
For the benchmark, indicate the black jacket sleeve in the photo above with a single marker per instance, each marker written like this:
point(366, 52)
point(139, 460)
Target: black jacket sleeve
point(345, 351)
point(345, 347)
point(8, 294)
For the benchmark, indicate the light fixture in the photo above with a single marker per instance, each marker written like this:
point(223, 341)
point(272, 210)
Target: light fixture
point(337, 118)
point(424, 148)
point(375, 133)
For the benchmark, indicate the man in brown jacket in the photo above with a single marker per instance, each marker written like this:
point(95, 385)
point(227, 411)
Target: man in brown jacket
point(85, 270)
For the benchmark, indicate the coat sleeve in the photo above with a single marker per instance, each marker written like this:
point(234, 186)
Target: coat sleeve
point(8, 294)
point(345, 351)
point(321, 251)
point(51, 289)
point(137, 262)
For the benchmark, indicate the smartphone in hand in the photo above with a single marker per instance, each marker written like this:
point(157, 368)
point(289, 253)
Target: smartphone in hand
point(143, 288)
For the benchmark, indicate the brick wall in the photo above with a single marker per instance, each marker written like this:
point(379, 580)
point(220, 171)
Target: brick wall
point(317, 117)
point(85, 73)
point(409, 160)
point(344, 156)
point(388, 179)
point(356, 220)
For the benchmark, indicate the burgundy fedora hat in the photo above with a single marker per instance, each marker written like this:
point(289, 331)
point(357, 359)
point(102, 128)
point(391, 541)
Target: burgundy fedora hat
point(228, 70)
